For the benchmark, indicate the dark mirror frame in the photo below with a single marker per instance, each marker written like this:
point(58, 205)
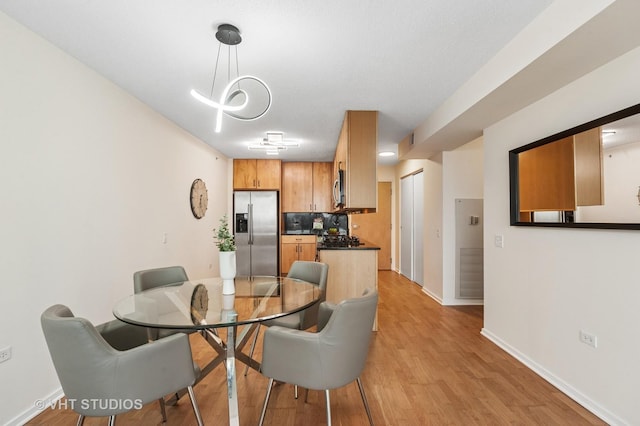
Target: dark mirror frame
point(514, 174)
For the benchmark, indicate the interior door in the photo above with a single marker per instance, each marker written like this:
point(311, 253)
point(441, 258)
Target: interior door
point(412, 226)
point(418, 228)
point(376, 227)
point(406, 226)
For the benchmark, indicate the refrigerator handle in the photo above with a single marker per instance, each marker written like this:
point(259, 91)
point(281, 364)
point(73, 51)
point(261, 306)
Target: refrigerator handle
point(250, 224)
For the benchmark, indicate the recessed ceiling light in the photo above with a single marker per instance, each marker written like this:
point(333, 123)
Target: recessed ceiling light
point(386, 154)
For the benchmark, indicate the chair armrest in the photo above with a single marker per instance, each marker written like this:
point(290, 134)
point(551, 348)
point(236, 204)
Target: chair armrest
point(324, 314)
point(123, 336)
point(151, 371)
point(292, 356)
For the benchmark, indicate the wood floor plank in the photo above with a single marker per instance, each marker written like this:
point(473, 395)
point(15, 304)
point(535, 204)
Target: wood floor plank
point(428, 365)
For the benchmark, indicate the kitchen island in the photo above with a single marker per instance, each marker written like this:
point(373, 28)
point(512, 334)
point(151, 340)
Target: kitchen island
point(352, 268)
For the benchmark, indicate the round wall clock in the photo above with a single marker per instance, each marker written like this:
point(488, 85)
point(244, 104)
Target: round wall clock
point(199, 198)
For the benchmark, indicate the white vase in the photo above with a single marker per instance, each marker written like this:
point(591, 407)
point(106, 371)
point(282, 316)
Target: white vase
point(228, 271)
point(227, 301)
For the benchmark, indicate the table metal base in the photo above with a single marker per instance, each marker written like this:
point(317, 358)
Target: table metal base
point(228, 352)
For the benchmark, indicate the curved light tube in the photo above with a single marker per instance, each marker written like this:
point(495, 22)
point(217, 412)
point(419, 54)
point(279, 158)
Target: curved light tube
point(223, 107)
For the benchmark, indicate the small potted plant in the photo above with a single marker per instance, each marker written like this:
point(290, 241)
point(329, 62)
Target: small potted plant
point(226, 244)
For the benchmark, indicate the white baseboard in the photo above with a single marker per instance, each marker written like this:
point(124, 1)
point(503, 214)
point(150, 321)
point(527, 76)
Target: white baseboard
point(604, 414)
point(455, 302)
point(432, 295)
point(38, 407)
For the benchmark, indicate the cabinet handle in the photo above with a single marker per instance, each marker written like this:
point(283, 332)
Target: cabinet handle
point(258, 183)
point(254, 182)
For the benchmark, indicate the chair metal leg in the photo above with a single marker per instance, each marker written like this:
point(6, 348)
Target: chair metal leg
point(326, 393)
point(194, 404)
point(163, 410)
point(266, 401)
point(253, 347)
point(364, 399)
point(80, 420)
point(295, 391)
point(112, 420)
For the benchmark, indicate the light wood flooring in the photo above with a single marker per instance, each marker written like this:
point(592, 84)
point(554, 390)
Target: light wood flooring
point(428, 365)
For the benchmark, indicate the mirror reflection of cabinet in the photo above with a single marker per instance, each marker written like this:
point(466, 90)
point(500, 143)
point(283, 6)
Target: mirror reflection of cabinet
point(583, 177)
point(562, 175)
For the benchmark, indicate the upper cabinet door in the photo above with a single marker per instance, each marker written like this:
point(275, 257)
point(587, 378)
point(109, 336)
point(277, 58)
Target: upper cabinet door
point(256, 174)
point(268, 174)
point(244, 174)
point(322, 185)
point(297, 187)
point(306, 187)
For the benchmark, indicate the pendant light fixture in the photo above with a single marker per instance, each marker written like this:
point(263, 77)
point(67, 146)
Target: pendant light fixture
point(234, 98)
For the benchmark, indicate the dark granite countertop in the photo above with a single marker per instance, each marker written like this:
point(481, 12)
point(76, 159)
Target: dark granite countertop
point(364, 245)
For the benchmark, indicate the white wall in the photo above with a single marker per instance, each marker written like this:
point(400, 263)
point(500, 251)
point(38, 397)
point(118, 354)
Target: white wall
point(90, 180)
point(462, 178)
point(546, 285)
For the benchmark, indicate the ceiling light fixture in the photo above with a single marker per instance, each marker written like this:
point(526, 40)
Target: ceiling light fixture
point(274, 143)
point(234, 100)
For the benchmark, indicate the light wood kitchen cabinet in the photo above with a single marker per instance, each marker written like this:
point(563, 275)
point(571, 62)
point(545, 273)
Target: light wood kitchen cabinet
point(562, 175)
point(306, 187)
point(256, 174)
point(322, 186)
point(296, 247)
point(356, 154)
point(350, 273)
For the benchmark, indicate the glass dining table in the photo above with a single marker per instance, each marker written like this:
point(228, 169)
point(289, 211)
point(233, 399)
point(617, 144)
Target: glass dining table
point(200, 305)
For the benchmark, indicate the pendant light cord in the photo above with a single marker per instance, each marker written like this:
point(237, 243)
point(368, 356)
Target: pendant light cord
point(215, 70)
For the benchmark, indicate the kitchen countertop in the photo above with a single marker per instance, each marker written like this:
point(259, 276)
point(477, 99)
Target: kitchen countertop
point(364, 245)
point(298, 232)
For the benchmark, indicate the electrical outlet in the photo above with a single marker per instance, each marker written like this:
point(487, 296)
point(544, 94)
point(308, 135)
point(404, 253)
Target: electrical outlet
point(5, 354)
point(498, 241)
point(589, 339)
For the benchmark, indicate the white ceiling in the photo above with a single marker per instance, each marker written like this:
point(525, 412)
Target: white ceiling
point(402, 58)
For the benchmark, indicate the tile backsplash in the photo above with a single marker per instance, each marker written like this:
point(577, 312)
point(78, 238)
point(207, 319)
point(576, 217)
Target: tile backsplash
point(315, 223)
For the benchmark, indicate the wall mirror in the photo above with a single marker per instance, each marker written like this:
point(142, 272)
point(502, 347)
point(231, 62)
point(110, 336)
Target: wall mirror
point(584, 177)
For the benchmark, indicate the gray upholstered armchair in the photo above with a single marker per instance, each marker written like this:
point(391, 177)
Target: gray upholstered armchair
point(312, 272)
point(329, 359)
point(156, 277)
point(160, 277)
point(103, 381)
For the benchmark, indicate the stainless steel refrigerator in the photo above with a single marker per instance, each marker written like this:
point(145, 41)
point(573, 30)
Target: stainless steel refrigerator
point(256, 232)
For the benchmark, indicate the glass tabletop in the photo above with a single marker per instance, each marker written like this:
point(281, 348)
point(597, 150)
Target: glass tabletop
point(200, 304)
